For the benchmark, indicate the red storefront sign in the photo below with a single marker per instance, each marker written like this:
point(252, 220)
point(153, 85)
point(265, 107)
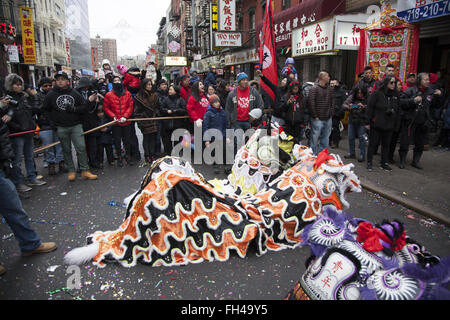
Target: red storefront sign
point(305, 13)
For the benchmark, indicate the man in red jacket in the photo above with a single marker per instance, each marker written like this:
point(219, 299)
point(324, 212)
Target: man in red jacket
point(118, 105)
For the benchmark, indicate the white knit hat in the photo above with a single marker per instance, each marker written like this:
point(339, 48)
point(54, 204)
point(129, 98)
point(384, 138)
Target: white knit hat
point(256, 113)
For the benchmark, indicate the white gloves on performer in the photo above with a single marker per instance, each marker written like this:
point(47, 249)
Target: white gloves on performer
point(199, 123)
point(121, 120)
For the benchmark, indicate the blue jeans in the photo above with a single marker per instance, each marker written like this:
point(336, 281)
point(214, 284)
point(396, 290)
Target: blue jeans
point(353, 133)
point(23, 146)
point(55, 154)
point(11, 209)
point(320, 135)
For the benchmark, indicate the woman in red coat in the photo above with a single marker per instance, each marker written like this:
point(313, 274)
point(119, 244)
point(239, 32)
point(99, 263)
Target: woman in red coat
point(197, 104)
point(118, 105)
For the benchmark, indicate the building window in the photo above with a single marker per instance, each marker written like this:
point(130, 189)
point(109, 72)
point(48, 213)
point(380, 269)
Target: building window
point(286, 4)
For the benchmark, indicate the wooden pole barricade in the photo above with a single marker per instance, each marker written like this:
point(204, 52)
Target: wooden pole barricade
point(38, 150)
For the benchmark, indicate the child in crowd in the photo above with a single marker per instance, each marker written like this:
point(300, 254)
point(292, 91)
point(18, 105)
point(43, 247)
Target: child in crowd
point(215, 118)
point(105, 139)
point(132, 80)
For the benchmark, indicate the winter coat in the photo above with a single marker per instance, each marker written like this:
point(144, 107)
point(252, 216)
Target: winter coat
point(105, 137)
point(197, 109)
point(340, 95)
point(321, 102)
point(210, 79)
point(162, 94)
point(369, 85)
point(185, 93)
point(383, 110)
point(215, 119)
point(231, 105)
point(66, 107)
point(22, 119)
point(43, 121)
point(6, 149)
point(178, 108)
point(90, 119)
point(419, 113)
point(118, 107)
point(294, 113)
point(147, 106)
point(357, 116)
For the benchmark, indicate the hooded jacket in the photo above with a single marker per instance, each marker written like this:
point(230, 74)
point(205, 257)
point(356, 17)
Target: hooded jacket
point(66, 106)
point(255, 101)
point(215, 119)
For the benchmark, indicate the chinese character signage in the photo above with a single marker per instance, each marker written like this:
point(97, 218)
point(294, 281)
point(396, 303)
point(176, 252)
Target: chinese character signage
point(312, 39)
point(227, 14)
point(347, 31)
point(29, 48)
point(214, 16)
point(228, 39)
point(416, 10)
point(7, 30)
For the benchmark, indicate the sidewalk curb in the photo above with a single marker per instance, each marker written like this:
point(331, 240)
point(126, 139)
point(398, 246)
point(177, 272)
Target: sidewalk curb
point(410, 204)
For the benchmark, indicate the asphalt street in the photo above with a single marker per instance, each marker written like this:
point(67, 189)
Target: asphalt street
point(68, 212)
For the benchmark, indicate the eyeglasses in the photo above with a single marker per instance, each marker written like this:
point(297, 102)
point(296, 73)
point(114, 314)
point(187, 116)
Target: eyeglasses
point(392, 82)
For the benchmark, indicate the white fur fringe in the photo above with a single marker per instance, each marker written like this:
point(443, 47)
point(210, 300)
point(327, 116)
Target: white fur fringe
point(82, 255)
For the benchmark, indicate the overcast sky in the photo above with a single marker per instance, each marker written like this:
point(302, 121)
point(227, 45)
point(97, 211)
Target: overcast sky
point(133, 23)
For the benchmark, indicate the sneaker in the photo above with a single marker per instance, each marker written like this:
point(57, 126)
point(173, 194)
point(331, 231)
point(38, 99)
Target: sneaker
point(21, 188)
point(350, 156)
point(369, 166)
point(36, 183)
point(361, 158)
point(2, 270)
point(386, 167)
point(45, 247)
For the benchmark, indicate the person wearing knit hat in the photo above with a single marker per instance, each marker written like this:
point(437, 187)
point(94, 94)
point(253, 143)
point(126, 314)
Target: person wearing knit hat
point(215, 118)
point(241, 100)
point(241, 76)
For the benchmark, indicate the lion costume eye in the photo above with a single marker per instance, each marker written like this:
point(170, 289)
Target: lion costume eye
point(326, 184)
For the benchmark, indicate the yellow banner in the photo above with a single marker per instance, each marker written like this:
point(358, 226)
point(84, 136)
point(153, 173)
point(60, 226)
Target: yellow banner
point(29, 47)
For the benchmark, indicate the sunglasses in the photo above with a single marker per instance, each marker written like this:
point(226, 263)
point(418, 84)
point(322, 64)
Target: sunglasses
point(392, 82)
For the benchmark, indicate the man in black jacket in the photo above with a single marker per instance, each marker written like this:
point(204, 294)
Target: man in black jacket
point(48, 134)
point(339, 95)
point(90, 120)
point(416, 118)
point(11, 207)
point(66, 107)
point(22, 121)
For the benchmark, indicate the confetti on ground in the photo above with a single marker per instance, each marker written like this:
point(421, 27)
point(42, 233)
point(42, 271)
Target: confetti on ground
point(52, 268)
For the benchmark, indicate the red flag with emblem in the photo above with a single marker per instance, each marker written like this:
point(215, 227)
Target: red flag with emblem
point(267, 56)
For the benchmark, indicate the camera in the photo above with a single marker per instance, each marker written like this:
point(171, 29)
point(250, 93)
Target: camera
point(12, 101)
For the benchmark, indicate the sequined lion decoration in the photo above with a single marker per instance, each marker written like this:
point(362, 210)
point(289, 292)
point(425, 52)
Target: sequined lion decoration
point(177, 217)
point(354, 259)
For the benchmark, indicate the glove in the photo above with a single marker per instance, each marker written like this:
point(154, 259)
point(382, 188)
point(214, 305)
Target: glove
point(123, 120)
point(199, 123)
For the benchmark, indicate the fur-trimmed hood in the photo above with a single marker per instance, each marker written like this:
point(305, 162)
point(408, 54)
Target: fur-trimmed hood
point(10, 80)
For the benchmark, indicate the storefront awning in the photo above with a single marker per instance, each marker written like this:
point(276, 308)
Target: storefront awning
point(303, 14)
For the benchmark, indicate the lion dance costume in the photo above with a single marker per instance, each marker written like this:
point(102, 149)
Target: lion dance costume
point(268, 203)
